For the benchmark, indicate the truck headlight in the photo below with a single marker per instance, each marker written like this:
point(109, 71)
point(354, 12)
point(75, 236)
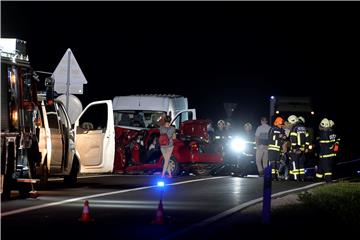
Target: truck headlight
point(238, 144)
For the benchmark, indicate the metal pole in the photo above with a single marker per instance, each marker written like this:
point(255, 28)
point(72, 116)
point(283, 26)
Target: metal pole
point(267, 195)
point(68, 82)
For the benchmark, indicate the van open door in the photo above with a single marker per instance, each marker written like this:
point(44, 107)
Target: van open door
point(95, 138)
point(182, 116)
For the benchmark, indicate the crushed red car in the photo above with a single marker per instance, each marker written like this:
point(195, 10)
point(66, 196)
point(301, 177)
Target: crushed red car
point(137, 150)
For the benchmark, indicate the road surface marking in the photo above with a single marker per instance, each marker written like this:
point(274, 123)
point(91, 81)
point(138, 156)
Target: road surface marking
point(232, 211)
point(21, 210)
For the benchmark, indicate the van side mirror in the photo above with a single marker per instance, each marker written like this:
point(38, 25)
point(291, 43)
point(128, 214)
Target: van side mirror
point(49, 84)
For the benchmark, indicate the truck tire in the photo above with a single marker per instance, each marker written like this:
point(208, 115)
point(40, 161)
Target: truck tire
point(71, 179)
point(9, 182)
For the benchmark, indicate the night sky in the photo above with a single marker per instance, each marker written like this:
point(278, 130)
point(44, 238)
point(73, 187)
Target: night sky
point(210, 52)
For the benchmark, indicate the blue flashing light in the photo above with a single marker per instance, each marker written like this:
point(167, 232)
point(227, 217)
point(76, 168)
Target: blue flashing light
point(272, 97)
point(160, 183)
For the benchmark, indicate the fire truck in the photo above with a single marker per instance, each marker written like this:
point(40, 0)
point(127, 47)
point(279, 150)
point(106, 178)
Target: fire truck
point(19, 146)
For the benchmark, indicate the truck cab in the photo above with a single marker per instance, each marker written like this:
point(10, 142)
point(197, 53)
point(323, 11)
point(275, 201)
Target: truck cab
point(145, 110)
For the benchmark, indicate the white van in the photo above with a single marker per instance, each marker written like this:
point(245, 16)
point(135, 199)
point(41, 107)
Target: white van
point(144, 110)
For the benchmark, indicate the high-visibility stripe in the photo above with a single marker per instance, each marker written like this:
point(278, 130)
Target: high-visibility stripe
point(318, 175)
point(293, 134)
point(298, 139)
point(272, 145)
point(328, 155)
point(328, 174)
point(274, 149)
point(327, 141)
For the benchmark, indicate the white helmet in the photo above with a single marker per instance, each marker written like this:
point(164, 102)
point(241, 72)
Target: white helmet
point(331, 123)
point(325, 123)
point(302, 119)
point(248, 126)
point(221, 122)
point(292, 119)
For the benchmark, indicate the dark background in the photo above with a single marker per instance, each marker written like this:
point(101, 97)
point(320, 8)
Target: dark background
point(210, 52)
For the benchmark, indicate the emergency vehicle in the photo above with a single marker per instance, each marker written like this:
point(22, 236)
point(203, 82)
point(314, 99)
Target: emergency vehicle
point(19, 146)
point(38, 140)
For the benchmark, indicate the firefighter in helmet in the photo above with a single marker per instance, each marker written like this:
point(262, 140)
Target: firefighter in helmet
point(276, 140)
point(297, 138)
point(220, 132)
point(327, 141)
point(337, 139)
point(249, 140)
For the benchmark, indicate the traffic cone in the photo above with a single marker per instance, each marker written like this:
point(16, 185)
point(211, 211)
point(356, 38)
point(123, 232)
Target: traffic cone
point(159, 218)
point(85, 216)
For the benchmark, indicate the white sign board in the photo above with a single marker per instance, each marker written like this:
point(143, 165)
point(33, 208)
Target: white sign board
point(68, 75)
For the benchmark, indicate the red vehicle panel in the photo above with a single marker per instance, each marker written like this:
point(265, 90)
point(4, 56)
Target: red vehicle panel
point(138, 151)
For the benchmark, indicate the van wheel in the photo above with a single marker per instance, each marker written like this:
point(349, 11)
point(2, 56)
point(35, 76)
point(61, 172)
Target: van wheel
point(71, 179)
point(174, 166)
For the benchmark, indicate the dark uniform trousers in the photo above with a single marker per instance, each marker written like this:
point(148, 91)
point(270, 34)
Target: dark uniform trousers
point(275, 142)
point(298, 139)
point(327, 140)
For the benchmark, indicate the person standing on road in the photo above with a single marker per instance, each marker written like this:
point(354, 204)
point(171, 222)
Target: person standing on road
point(261, 139)
point(327, 141)
point(276, 140)
point(167, 132)
point(298, 139)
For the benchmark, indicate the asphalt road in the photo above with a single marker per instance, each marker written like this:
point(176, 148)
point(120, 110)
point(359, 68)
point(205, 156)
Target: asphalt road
point(124, 207)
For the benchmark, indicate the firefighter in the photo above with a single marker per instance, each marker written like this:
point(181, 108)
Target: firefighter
point(276, 140)
point(309, 142)
point(337, 139)
point(297, 138)
point(249, 152)
point(327, 141)
point(249, 140)
point(220, 132)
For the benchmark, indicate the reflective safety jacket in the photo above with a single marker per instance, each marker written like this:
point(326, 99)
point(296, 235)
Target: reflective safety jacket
point(309, 139)
point(276, 138)
point(298, 137)
point(327, 140)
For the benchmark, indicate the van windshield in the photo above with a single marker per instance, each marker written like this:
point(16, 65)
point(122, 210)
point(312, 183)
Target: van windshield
point(138, 118)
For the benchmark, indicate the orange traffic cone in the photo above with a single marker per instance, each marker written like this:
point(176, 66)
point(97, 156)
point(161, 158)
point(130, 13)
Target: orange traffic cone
point(85, 216)
point(159, 218)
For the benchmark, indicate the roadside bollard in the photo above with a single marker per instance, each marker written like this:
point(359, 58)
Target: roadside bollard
point(267, 195)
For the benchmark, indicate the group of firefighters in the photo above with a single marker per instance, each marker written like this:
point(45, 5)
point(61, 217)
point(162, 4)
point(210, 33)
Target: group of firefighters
point(286, 145)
